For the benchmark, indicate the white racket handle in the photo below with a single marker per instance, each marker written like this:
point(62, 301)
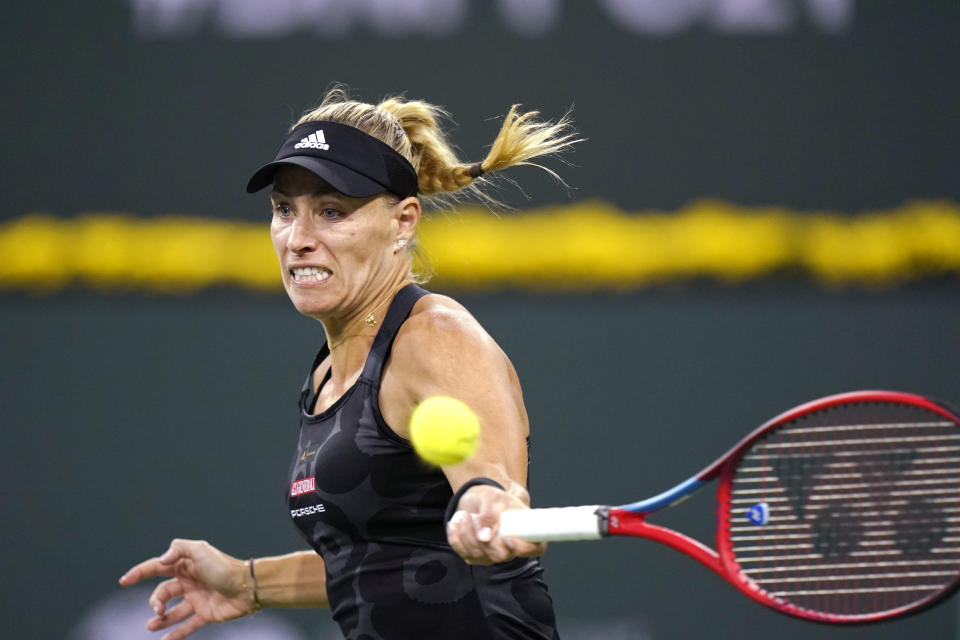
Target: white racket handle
point(552, 525)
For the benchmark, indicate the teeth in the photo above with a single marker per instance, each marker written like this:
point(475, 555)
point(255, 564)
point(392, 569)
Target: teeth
point(302, 274)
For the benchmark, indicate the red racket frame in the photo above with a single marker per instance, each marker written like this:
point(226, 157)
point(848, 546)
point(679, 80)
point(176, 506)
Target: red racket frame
point(622, 522)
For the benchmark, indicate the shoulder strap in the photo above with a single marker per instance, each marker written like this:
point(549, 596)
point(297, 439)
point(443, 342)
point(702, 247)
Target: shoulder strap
point(398, 312)
point(307, 389)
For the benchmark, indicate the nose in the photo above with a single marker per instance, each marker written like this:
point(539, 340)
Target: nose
point(302, 238)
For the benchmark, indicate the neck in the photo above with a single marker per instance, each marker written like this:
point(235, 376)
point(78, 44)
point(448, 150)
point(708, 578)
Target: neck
point(350, 339)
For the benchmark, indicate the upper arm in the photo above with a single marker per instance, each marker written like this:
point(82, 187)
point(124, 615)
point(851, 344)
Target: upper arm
point(442, 350)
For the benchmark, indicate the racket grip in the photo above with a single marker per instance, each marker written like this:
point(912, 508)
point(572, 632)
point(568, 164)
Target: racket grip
point(552, 525)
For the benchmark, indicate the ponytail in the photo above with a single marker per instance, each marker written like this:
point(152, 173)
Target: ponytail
point(413, 128)
point(444, 177)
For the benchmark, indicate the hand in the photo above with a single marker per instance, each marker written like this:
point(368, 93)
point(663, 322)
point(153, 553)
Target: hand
point(472, 531)
point(210, 582)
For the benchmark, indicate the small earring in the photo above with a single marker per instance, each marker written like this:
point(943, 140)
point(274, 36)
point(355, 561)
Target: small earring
point(401, 243)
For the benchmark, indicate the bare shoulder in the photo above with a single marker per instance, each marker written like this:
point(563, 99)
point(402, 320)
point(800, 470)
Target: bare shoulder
point(443, 350)
point(441, 345)
point(438, 323)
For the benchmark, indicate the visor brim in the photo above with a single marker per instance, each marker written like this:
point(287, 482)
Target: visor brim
point(346, 181)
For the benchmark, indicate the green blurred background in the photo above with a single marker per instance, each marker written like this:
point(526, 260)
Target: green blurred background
point(133, 416)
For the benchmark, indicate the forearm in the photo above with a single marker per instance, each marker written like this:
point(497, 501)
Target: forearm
point(293, 580)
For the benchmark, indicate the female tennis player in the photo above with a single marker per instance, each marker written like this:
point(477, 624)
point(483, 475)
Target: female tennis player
point(399, 549)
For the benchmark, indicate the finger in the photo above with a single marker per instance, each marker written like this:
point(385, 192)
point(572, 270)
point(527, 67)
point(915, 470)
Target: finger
point(151, 568)
point(453, 533)
point(525, 549)
point(493, 548)
point(484, 530)
point(189, 626)
point(470, 540)
point(497, 550)
point(179, 549)
point(164, 591)
point(162, 566)
point(477, 540)
point(180, 612)
point(462, 537)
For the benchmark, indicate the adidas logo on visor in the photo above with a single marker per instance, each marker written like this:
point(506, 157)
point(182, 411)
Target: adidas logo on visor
point(313, 141)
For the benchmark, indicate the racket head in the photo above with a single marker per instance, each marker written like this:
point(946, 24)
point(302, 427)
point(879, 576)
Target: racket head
point(845, 510)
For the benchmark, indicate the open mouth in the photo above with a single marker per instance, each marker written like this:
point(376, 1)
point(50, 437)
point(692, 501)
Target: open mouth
point(310, 275)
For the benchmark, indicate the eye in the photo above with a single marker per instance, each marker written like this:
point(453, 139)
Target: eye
point(283, 210)
point(328, 213)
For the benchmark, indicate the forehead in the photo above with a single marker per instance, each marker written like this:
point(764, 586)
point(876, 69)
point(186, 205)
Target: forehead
point(292, 180)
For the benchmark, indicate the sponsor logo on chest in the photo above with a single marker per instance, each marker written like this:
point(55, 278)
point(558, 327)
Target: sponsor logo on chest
point(305, 485)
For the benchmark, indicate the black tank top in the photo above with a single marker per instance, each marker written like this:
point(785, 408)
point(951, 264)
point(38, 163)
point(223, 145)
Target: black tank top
point(374, 511)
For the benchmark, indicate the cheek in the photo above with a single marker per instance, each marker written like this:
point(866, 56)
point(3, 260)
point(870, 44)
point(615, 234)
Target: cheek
point(358, 242)
point(279, 236)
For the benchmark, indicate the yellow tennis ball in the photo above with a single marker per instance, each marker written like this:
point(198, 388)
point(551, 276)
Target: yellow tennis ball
point(444, 430)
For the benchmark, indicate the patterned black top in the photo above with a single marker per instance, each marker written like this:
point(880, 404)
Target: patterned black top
point(366, 503)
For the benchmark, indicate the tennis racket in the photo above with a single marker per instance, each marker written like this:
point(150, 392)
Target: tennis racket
point(843, 510)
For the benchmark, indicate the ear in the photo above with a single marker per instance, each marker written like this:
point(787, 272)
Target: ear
point(407, 214)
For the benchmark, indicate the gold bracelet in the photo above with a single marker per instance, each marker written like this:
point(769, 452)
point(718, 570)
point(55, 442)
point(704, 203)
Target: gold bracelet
point(253, 586)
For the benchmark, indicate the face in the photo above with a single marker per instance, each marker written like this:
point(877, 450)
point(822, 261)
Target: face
point(336, 253)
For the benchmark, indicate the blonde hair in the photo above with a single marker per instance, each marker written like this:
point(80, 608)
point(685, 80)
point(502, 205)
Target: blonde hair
point(413, 129)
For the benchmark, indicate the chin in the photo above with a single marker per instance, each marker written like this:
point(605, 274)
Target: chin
point(309, 305)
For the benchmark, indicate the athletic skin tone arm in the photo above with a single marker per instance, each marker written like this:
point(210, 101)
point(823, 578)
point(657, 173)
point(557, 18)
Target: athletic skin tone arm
point(442, 350)
point(216, 587)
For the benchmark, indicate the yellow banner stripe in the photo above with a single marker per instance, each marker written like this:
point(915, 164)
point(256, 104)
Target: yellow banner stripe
point(121, 252)
point(584, 246)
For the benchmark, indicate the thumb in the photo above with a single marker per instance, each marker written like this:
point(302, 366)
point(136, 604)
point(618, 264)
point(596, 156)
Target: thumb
point(177, 551)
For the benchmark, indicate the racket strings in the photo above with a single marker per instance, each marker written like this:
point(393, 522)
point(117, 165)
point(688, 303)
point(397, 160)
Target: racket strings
point(851, 510)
